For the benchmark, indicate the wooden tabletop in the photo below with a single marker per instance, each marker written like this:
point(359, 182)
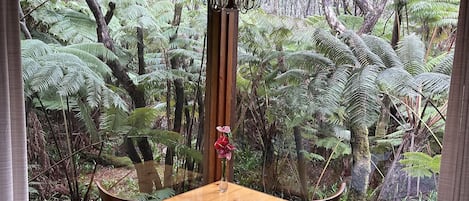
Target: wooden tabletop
point(235, 192)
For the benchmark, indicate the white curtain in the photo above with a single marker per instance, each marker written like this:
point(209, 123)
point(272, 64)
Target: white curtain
point(13, 161)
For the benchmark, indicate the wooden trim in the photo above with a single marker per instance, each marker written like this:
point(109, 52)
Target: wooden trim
point(454, 179)
point(220, 84)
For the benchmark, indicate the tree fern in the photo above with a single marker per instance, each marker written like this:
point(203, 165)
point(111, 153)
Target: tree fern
point(436, 12)
point(53, 68)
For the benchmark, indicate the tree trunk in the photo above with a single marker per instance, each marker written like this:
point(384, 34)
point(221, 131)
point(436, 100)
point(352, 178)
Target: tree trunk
point(201, 109)
point(23, 26)
point(331, 17)
point(144, 171)
point(397, 23)
point(178, 111)
point(301, 165)
point(361, 163)
point(372, 13)
point(117, 70)
point(384, 117)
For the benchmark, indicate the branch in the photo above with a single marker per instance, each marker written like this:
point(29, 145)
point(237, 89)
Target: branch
point(331, 17)
point(31, 11)
point(371, 12)
point(23, 26)
point(110, 12)
point(117, 70)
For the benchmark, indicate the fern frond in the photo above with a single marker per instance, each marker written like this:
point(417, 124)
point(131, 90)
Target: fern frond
point(445, 65)
point(333, 48)
point(308, 60)
point(75, 27)
point(168, 138)
point(71, 82)
point(419, 164)
point(332, 99)
point(135, 16)
point(112, 99)
point(361, 51)
point(85, 116)
point(94, 91)
point(33, 48)
point(49, 76)
point(97, 50)
point(384, 50)
point(433, 83)
point(397, 81)
point(361, 95)
point(411, 50)
point(291, 75)
point(113, 119)
point(92, 61)
point(184, 53)
point(141, 118)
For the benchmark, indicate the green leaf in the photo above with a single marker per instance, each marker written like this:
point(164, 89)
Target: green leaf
point(418, 164)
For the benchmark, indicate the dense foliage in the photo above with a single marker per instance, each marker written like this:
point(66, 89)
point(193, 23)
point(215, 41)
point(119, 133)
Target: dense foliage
point(308, 96)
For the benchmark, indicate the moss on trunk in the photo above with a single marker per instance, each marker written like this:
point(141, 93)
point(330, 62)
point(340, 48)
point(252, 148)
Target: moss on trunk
point(361, 163)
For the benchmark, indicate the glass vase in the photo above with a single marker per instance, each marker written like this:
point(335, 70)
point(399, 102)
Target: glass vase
point(223, 184)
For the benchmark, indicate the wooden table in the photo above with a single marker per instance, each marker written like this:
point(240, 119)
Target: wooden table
point(235, 192)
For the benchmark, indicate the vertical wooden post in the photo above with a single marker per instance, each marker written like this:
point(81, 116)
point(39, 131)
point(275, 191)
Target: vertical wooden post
point(222, 44)
point(454, 177)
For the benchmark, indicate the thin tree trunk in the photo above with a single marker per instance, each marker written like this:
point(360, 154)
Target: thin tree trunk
point(331, 17)
point(23, 26)
point(137, 95)
point(301, 165)
point(269, 161)
point(179, 93)
point(397, 23)
point(201, 109)
point(372, 13)
point(384, 117)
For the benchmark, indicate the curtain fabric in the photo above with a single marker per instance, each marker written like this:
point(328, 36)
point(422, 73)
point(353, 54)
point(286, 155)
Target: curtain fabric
point(13, 159)
point(454, 176)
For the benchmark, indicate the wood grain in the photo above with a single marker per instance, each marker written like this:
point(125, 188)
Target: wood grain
point(235, 192)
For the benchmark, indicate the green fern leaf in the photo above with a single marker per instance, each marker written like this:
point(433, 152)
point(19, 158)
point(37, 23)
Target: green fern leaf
point(361, 95)
point(333, 48)
point(411, 50)
point(384, 50)
point(141, 118)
